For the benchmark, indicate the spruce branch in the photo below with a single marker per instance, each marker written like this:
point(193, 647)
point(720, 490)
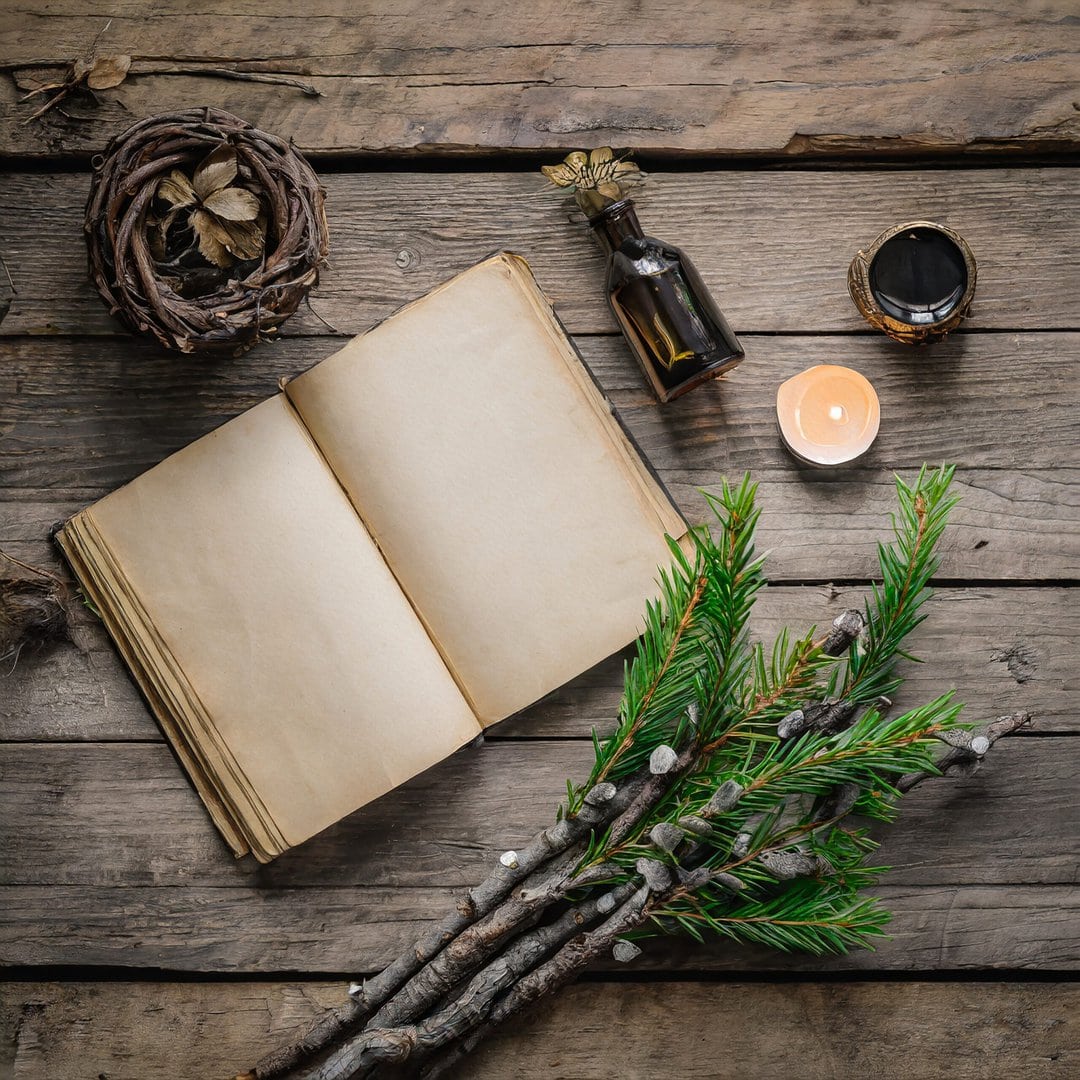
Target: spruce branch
point(719, 805)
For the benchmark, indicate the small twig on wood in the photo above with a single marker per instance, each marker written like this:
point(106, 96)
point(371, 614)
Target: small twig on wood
point(553, 973)
point(965, 760)
point(228, 73)
point(329, 325)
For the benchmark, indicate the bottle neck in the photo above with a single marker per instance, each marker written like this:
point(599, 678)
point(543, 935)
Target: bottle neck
point(615, 224)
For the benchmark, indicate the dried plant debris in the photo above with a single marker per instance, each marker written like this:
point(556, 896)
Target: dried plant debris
point(223, 218)
point(85, 74)
point(33, 609)
point(597, 177)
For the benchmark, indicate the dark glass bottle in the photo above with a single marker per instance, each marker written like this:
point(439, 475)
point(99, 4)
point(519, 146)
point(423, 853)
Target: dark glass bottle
point(678, 334)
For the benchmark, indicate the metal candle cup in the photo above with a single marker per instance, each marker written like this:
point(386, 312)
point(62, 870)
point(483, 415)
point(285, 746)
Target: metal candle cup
point(915, 282)
point(827, 415)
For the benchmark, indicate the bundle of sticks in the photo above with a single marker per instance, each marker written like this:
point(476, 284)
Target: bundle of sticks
point(728, 799)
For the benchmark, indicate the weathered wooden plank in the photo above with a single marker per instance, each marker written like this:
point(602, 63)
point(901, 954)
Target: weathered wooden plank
point(79, 414)
point(665, 1031)
point(742, 78)
point(774, 246)
point(1011, 526)
point(1003, 650)
point(336, 930)
point(123, 814)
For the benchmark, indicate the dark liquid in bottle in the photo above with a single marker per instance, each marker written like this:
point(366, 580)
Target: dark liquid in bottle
point(675, 328)
point(919, 276)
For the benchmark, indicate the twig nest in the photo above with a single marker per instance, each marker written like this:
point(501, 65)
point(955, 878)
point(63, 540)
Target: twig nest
point(33, 609)
point(204, 231)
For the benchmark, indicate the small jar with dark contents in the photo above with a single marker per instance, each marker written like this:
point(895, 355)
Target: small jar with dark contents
point(915, 282)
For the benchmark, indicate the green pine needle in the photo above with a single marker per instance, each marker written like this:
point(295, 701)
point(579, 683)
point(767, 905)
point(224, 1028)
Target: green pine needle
point(697, 683)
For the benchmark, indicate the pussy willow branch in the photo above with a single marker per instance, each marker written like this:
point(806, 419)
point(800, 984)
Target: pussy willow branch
point(603, 803)
point(488, 914)
point(571, 958)
point(478, 1007)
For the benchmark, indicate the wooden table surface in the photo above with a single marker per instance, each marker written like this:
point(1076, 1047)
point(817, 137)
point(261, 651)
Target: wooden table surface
point(780, 135)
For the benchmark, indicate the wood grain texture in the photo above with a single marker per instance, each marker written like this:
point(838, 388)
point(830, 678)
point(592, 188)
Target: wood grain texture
point(107, 410)
point(841, 1030)
point(1002, 649)
point(357, 931)
point(80, 417)
point(1011, 526)
point(773, 246)
point(106, 856)
point(100, 815)
point(737, 78)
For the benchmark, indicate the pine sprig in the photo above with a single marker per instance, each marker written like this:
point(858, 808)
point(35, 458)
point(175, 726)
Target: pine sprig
point(783, 784)
point(691, 655)
point(894, 609)
point(725, 803)
point(804, 917)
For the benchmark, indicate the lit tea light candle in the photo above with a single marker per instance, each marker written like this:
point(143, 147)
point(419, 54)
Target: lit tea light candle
point(828, 415)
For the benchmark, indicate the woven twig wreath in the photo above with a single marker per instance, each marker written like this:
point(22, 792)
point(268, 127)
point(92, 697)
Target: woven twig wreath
point(185, 300)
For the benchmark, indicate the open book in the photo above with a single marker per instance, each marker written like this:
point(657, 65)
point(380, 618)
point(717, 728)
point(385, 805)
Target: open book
point(421, 535)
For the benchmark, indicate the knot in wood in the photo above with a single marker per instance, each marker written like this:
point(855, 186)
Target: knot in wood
point(407, 259)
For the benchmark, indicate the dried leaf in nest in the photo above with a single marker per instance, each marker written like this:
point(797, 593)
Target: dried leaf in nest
point(33, 610)
point(227, 220)
point(211, 243)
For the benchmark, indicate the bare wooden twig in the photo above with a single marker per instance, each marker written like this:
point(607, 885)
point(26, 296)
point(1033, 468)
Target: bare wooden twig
point(964, 759)
point(227, 73)
point(378, 1045)
point(601, 804)
point(562, 968)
